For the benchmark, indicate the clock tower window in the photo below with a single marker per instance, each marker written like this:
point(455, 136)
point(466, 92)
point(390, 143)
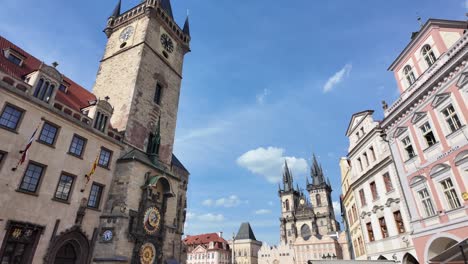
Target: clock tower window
point(158, 94)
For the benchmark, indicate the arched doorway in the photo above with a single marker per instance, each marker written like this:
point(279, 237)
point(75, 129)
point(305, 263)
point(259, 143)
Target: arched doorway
point(66, 255)
point(439, 245)
point(409, 259)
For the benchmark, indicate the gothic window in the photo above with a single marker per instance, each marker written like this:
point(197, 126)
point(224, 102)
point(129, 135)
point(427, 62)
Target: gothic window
point(383, 227)
point(408, 148)
point(153, 144)
point(64, 187)
point(451, 118)
point(409, 75)
point(10, 117)
point(157, 94)
point(362, 197)
point(287, 205)
point(32, 177)
point(450, 193)
point(104, 157)
point(77, 146)
point(100, 122)
point(399, 222)
point(95, 195)
point(428, 55)
point(44, 90)
point(387, 182)
point(373, 188)
point(426, 201)
point(318, 199)
point(370, 232)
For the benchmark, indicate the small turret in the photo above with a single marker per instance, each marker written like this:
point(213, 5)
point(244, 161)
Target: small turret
point(186, 28)
point(116, 11)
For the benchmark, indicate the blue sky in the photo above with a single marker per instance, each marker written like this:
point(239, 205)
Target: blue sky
point(266, 81)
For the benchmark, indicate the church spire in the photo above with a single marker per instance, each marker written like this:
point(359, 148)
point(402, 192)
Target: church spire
point(287, 178)
point(166, 6)
point(116, 11)
point(186, 28)
point(316, 172)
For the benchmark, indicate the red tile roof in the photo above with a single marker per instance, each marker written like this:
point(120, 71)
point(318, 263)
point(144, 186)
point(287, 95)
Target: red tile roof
point(76, 97)
point(203, 239)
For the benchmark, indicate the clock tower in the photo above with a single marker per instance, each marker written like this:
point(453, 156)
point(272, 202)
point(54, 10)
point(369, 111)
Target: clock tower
point(140, 76)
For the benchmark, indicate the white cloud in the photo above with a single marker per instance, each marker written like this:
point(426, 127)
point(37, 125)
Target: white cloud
point(268, 162)
point(337, 78)
point(261, 97)
point(263, 211)
point(202, 132)
point(209, 217)
point(227, 202)
point(337, 209)
point(190, 215)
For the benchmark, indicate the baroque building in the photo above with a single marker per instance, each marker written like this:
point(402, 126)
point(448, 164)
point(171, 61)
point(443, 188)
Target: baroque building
point(91, 177)
point(209, 248)
point(427, 133)
point(308, 222)
point(375, 209)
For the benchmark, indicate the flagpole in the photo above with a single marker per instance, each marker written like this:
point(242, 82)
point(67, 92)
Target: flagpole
point(25, 151)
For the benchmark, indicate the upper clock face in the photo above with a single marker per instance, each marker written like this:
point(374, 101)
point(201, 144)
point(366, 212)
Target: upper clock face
point(302, 201)
point(107, 235)
point(152, 220)
point(126, 33)
point(167, 43)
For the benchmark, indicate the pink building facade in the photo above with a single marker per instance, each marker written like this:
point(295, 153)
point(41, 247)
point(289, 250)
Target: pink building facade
point(428, 134)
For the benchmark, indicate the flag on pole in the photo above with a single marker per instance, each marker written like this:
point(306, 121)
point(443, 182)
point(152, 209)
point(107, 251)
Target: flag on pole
point(91, 172)
point(24, 152)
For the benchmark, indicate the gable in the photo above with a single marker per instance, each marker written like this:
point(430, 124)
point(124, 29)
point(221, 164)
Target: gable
point(438, 99)
point(356, 120)
point(463, 79)
point(399, 131)
point(418, 116)
point(199, 249)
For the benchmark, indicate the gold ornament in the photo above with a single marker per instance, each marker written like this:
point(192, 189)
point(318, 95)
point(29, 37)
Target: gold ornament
point(147, 253)
point(151, 221)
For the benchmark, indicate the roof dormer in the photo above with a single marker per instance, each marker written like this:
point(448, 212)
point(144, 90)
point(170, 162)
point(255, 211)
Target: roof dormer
point(14, 56)
point(45, 82)
point(101, 111)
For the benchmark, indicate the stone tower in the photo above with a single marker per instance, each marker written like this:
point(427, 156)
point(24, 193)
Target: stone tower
point(289, 197)
point(320, 197)
point(140, 76)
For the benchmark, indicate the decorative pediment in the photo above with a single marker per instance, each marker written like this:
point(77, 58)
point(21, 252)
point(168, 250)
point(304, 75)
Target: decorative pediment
point(416, 180)
point(392, 200)
point(418, 116)
point(399, 131)
point(461, 158)
point(356, 120)
point(376, 208)
point(463, 80)
point(51, 72)
point(106, 106)
point(439, 169)
point(438, 99)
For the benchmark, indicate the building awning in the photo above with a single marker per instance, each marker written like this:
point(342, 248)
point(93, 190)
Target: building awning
point(453, 254)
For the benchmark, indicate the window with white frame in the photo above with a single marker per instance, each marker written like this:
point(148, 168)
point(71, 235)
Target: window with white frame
point(451, 118)
point(426, 202)
point(428, 55)
point(428, 134)
point(408, 147)
point(450, 193)
point(409, 75)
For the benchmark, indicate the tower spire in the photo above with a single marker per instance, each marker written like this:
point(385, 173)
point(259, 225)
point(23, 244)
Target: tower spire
point(166, 6)
point(287, 178)
point(116, 11)
point(316, 172)
point(186, 28)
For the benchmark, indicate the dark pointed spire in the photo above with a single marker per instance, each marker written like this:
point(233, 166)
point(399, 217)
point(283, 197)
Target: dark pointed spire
point(186, 28)
point(328, 181)
point(307, 181)
point(116, 11)
point(287, 178)
point(316, 172)
point(166, 6)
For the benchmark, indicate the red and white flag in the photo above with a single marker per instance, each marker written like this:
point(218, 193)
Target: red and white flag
point(25, 151)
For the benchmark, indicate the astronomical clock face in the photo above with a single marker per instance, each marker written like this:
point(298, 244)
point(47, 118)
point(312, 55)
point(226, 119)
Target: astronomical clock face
point(147, 253)
point(152, 220)
point(167, 43)
point(305, 232)
point(126, 34)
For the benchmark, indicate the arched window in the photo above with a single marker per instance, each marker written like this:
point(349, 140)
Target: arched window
point(428, 55)
point(409, 75)
point(318, 199)
point(287, 205)
point(44, 90)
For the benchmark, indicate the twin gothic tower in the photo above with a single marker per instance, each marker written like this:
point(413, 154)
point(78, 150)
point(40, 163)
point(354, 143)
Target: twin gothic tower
point(306, 216)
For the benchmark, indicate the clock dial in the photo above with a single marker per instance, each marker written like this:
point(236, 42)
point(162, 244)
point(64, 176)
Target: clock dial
point(147, 253)
point(167, 43)
point(126, 33)
point(107, 235)
point(302, 201)
point(151, 220)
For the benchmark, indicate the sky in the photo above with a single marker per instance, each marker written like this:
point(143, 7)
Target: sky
point(266, 81)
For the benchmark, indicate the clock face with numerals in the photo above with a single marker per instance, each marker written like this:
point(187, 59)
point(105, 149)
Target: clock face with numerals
point(126, 33)
point(152, 220)
point(107, 235)
point(167, 43)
